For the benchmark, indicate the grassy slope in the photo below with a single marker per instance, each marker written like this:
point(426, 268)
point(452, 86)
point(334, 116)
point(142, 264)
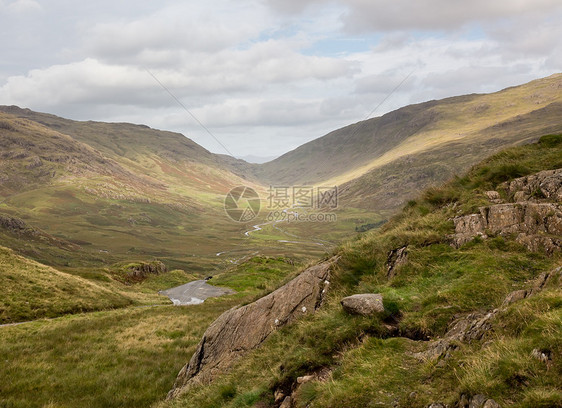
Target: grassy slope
point(423, 139)
point(31, 290)
point(438, 284)
point(390, 185)
point(119, 358)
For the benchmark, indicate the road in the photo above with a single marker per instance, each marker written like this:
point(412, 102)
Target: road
point(193, 293)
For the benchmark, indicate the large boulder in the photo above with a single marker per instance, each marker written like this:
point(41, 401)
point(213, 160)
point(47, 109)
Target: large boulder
point(242, 329)
point(365, 304)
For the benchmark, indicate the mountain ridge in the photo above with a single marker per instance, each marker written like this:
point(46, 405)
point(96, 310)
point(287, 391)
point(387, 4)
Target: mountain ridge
point(416, 125)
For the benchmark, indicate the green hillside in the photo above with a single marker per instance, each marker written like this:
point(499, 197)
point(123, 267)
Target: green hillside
point(420, 351)
point(381, 162)
point(31, 291)
point(113, 192)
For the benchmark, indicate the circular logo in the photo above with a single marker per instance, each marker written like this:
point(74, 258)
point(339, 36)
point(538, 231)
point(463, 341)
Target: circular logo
point(242, 204)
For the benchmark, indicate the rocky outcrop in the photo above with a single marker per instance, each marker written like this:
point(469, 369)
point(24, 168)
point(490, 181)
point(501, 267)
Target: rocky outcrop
point(242, 329)
point(536, 223)
point(365, 304)
point(494, 197)
point(543, 185)
point(395, 259)
point(476, 401)
point(16, 225)
point(474, 326)
point(142, 270)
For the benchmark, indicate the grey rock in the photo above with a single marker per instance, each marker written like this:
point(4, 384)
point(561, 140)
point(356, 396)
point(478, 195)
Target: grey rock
point(538, 225)
point(13, 224)
point(142, 270)
point(305, 378)
point(477, 401)
point(491, 404)
point(287, 403)
point(545, 279)
point(365, 304)
point(514, 297)
point(541, 355)
point(494, 197)
point(463, 401)
point(535, 217)
point(546, 184)
point(242, 329)
point(474, 326)
point(396, 258)
point(279, 396)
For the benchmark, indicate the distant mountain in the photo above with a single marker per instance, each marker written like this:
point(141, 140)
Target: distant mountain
point(257, 159)
point(382, 161)
point(116, 190)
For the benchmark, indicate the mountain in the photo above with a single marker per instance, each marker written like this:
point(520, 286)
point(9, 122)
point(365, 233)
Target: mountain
point(115, 191)
point(382, 162)
point(257, 159)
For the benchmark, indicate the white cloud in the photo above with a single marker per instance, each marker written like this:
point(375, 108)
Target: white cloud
point(187, 28)
point(266, 75)
point(20, 6)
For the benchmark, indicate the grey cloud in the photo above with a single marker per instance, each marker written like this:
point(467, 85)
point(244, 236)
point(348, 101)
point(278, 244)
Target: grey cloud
point(383, 15)
point(292, 6)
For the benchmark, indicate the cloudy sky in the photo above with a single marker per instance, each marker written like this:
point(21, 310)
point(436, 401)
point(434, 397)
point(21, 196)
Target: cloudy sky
point(264, 76)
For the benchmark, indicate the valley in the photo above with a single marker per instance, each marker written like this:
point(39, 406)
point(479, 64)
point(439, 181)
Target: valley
point(99, 220)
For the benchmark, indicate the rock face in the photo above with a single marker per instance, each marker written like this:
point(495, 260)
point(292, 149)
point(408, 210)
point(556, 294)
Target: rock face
point(545, 184)
point(535, 223)
point(395, 259)
point(17, 226)
point(365, 304)
point(494, 197)
point(242, 329)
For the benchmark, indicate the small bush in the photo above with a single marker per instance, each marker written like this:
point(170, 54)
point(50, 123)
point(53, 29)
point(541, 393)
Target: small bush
point(227, 391)
point(550, 140)
point(441, 196)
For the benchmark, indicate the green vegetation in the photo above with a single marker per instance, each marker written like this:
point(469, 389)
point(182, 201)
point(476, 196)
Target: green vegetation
point(31, 291)
point(257, 275)
point(98, 201)
point(372, 361)
point(120, 358)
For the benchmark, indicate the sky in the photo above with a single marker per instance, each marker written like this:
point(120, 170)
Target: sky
point(261, 77)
